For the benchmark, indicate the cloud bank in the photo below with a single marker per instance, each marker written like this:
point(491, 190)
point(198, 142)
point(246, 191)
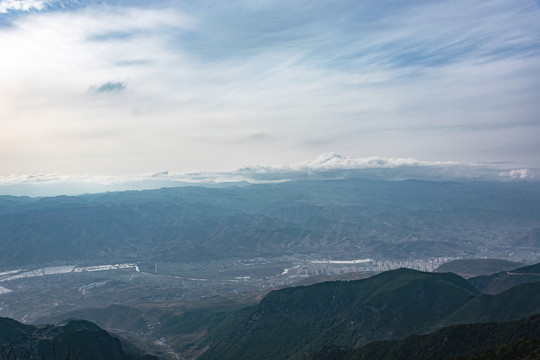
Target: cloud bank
point(325, 167)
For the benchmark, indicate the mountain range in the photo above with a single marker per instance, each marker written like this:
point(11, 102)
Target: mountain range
point(333, 219)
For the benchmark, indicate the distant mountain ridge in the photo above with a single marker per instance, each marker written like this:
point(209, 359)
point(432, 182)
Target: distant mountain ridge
point(477, 267)
point(334, 219)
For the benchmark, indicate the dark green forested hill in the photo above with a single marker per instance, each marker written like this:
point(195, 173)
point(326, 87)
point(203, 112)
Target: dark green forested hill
point(86, 339)
point(526, 349)
point(531, 269)
point(512, 304)
point(504, 280)
point(486, 340)
point(392, 305)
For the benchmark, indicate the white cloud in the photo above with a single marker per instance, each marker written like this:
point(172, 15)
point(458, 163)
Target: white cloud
point(518, 174)
point(337, 161)
point(23, 5)
point(448, 80)
point(333, 165)
point(334, 161)
point(326, 166)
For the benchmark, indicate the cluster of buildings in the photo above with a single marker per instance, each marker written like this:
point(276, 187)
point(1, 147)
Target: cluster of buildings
point(333, 267)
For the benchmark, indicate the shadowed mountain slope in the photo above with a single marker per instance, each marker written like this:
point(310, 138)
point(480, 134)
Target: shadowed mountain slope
point(449, 342)
point(111, 317)
point(526, 349)
point(512, 304)
point(476, 267)
point(82, 337)
point(386, 306)
point(392, 305)
point(504, 280)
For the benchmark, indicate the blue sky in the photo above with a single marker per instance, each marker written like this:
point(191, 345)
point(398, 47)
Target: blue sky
point(119, 88)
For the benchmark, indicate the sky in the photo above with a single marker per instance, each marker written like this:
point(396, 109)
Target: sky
point(114, 91)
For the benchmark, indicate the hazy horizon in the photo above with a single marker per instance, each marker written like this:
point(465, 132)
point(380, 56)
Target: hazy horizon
point(329, 166)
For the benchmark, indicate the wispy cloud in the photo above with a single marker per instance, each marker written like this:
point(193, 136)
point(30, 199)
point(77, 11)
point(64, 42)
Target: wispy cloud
point(23, 5)
point(109, 86)
point(217, 85)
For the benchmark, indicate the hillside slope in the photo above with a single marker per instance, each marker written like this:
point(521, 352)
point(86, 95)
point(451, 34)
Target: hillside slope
point(504, 280)
point(453, 341)
point(392, 305)
point(83, 337)
point(477, 267)
point(386, 306)
point(512, 304)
